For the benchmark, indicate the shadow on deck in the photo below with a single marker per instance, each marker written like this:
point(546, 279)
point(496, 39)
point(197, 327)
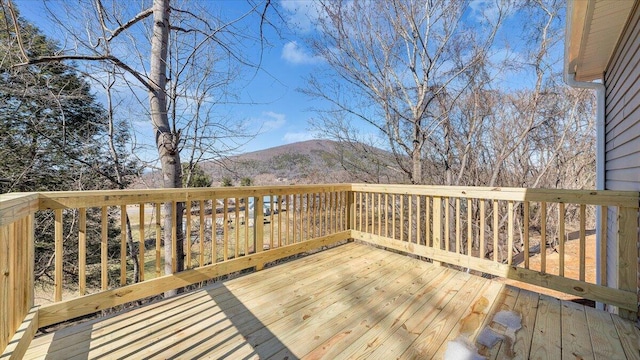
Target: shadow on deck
point(350, 301)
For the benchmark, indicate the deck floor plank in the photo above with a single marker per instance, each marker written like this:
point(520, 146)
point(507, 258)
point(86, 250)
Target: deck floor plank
point(110, 324)
point(288, 302)
point(352, 301)
point(236, 312)
point(506, 302)
point(629, 337)
point(427, 343)
point(391, 295)
point(603, 335)
point(576, 341)
point(298, 327)
point(376, 325)
point(547, 335)
point(474, 317)
point(527, 306)
point(403, 336)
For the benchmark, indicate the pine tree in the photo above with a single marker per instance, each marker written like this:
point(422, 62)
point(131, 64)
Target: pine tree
point(53, 136)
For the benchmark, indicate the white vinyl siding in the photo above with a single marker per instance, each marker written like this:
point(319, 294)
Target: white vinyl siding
point(622, 128)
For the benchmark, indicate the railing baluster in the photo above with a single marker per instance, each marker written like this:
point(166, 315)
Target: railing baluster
point(201, 229)
point(447, 222)
point(603, 244)
point(308, 214)
point(286, 206)
point(141, 243)
point(334, 197)
point(483, 221)
point(236, 226)
point(214, 230)
point(526, 234)
point(496, 224)
point(158, 212)
point(280, 213)
point(561, 236)
point(246, 225)
point(271, 224)
point(543, 237)
point(379, 214)
point(410, 215)
point(174, 237)
point(360, 205)
point(437, 222)
point(187, 232)
point(510, 234)
point(393, 216)
point(321, 212)
point(225, 229)
point(82, 251)
point(104, 280)
point(401, 228)
point(301, 213)
point(371, 213)
point(418, 219)
point(583, 241)
point(427, 221)
point(469, 226)
point(295, 214)
point(386, 215)
point(458, 235)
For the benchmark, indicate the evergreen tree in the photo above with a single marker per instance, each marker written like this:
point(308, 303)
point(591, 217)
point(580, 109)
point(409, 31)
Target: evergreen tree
point(54, 135)
point(52, 130)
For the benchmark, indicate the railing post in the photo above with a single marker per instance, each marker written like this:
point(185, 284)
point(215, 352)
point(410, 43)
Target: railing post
point(17, 223)
point(258, 224)
point(628, 254)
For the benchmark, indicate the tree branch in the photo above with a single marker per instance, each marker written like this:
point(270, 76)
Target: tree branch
point(142, 15)
point(110, 58)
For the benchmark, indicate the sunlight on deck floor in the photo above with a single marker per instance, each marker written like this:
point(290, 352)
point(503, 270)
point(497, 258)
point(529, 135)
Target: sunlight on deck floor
point(350, 301)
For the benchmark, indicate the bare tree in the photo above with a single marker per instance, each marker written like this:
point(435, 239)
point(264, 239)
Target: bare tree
point(100, 31)
point(399, 66)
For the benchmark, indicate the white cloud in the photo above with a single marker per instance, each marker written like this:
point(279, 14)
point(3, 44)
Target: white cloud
point(273, 121)
point(292, 137)
point(294, 54)
point(489, 10)
point(301, 14)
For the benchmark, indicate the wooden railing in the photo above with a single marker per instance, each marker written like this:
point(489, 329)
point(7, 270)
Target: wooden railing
point(99, 237)
point(497, 230)
point(16, 270)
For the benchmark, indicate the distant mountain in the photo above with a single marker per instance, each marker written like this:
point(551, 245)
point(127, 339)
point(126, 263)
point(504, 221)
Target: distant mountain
point(306, 162)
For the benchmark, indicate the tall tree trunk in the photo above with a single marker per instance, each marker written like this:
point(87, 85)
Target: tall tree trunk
point(166, 137)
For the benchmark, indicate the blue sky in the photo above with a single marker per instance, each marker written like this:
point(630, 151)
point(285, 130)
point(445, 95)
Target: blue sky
point(269, 102)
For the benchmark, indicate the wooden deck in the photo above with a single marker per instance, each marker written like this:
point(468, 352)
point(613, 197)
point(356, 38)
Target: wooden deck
point(353, 301)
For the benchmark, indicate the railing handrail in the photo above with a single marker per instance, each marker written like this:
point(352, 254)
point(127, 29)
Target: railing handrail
point(14, 205)
point(590, 197)
point(97, 198)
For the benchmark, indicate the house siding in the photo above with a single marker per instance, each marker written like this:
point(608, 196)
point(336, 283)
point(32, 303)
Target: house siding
point(622, 129)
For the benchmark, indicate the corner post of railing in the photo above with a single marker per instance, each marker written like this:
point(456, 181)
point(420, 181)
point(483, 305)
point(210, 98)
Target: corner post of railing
point(351, 210)
point(258, 224)
point(18, 317)
point(628, 254)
